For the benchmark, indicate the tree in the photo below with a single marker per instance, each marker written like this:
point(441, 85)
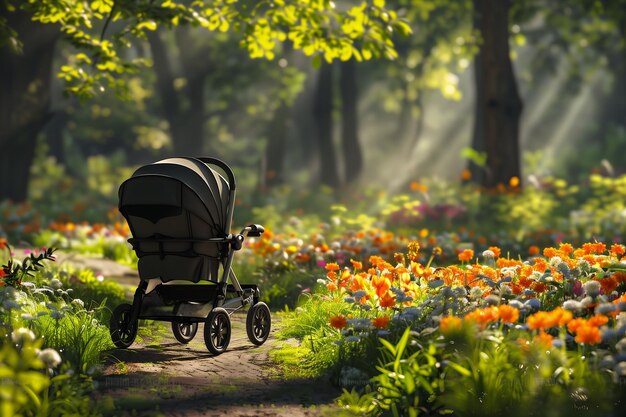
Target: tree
point(314, 28)
point(498, 103)
point(322, 112)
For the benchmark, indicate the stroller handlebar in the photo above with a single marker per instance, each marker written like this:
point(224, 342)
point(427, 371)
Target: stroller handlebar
point(224, 166)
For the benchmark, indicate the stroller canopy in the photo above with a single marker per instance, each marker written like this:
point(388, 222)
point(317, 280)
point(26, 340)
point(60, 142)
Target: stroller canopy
point(173, 187)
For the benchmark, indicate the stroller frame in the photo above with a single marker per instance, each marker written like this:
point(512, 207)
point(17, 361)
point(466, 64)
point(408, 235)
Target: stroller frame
point(217, 329)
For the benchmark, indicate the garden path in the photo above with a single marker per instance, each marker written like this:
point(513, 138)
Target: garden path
point(158, 376)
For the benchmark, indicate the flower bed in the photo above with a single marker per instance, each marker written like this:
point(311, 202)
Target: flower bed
point(475, 338)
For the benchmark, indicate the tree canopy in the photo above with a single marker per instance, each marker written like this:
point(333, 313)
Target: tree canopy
point(102, 31)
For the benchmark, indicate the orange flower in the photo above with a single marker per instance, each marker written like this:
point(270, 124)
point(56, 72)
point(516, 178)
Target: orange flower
point(416, 186)
point(338, 322)
point(543, 339)
point(466, 255)
point(331, 275)
point(496, 251)
point(387, 300)
point(566, 248)
point(589, 335)
point(450, 324)
point(549, 252)
point(538, 320)
point(381, 322)
point(575, 324)
point(466, 175)
point(3, 243)
point(597, 321)
point(533, 250)
point(332, 266)
point(331, 286)
point(483, 316)
point(356, 264)
point(381, 284)
point(617, 249)
point(508, 314)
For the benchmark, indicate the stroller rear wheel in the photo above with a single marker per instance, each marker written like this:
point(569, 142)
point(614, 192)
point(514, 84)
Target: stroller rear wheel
point(123, 332)
point(258, 323)
point(217, 331)
point(183, 332)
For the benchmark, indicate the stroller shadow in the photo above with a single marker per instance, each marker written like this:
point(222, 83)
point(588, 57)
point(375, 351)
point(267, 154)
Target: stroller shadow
point(165, 352)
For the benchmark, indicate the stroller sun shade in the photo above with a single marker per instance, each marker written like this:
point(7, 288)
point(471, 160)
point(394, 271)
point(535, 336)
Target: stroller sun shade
point(176, 187)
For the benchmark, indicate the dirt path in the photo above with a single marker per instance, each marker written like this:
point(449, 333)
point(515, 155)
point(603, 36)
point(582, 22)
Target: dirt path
point(160, 377)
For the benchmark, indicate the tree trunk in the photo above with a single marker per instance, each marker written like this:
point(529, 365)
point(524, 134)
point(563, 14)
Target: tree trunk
point(275, 150)
point(352, 154)
point(322, 112)
point(498, 104)
point(24, 100)
point(184, 110)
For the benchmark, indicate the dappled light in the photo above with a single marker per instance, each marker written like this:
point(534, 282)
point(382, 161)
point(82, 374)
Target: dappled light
point(328, 208)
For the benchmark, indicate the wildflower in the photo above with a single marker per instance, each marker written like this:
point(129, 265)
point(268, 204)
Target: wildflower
point(381, 284)
point(508, 314)
point(466, 255)
point(349, 300)
point(78, 303)
point(476, 292)
point(387, 300)
point(338, 322)
point(50, 358)
point(381, 322)
point(483, 316)
point(22, 335)
point(27, 317)
point(352, 338)
point(592, 288)
point(617, 249)
point(496, 251)
point(356, 264)
point(533, 250)
point(488, 254)
point(450, 324)
point(331, 266)
point(572, 305)
point(598, 320)
point(588, 335)
point(56, 314)
point(544, 339)
point(621, 345)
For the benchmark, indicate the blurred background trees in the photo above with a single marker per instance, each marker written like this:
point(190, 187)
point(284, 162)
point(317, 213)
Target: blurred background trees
point(485, 90)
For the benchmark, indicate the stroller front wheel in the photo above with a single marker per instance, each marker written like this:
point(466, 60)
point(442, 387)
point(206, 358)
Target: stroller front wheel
point(217, 331)
point(183, 332)
point(258, 323)
point(122, 331)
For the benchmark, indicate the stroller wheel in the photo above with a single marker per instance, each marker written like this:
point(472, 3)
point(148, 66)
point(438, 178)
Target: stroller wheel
point(258, 323)
point(217, 331)
point(183, 332)
point(123, 332)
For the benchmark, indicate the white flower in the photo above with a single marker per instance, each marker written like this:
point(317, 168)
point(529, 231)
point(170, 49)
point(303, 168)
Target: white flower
point(56, 284)
point(592, 288)
point(572, 305)
point(505, 289)
point(78, 303)
point(50, 358)
point(489, 254)
point(621, 345)
point(27, 316)
point(476, 292)
point(555, 261)
point(22, 335)
point(321, 281)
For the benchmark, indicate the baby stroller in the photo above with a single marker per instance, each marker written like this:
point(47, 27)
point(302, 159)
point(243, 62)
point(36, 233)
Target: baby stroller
point(179, 211)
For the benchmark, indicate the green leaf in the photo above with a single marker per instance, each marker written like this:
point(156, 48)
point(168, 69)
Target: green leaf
point(317, 61)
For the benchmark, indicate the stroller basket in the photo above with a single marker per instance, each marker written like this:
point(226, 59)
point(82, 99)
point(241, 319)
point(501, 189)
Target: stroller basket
point(179, 211)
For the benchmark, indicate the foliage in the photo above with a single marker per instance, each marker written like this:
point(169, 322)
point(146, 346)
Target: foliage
point(315, 28)
point(51, 342)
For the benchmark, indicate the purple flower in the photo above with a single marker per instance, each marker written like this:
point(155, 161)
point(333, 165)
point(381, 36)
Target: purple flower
point(577, 289)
